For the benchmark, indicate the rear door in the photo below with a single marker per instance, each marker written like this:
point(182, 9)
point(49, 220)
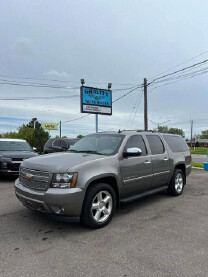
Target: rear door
point(160, 160)
point(136, 172)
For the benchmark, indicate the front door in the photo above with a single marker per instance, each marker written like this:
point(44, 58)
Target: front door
point(136, 172)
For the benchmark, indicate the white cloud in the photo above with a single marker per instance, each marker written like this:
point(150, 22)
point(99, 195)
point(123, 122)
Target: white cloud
point(59, 75)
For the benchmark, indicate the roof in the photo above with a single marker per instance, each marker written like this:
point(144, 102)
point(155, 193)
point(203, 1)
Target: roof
point(9, 139)
point(130, 132)
point(202, 140)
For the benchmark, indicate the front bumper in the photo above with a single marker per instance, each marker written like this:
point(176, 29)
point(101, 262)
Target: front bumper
point(9, 167)
point(60, 202)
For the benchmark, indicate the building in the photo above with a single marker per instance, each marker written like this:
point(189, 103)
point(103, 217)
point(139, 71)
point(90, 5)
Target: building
point(198, 143)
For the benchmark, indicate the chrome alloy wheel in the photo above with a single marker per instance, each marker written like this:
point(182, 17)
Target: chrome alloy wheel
point(179, 183)
point(102, 206)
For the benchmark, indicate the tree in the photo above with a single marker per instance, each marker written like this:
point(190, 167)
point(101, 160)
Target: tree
point(162, 129)
point(204, 134)
point(37, 136)
point(13, 135)
point(177, 131)
point(197, 144)
point(165, 129)
point(80, 136)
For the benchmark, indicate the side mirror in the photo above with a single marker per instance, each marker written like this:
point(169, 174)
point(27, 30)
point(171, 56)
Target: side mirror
point(132, 152)
point(34, 148)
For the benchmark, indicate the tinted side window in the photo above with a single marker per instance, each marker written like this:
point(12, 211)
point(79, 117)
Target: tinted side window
point(155, 144)
point(137, 141)
point(63, 144)
point(56, 142)
point(176, 144)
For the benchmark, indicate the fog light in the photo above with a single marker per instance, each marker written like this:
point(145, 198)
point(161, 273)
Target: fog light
point(58, 210)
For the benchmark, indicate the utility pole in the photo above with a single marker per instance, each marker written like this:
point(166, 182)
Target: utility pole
point(60, 128)
point(145, 106)
point(192, 122)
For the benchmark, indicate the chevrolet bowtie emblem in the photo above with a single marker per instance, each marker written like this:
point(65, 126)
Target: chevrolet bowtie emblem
point(28, 176)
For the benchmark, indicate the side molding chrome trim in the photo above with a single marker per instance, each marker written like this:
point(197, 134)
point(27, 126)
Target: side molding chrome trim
point(137, 178)
point(161, 173)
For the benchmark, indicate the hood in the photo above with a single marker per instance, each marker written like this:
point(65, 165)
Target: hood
point(17, 154)
point(59, 162)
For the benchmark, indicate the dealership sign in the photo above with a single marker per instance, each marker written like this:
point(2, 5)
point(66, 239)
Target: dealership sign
point(50, 126)
point(95, 100)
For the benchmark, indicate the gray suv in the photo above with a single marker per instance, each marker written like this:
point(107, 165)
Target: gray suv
point(101, 171)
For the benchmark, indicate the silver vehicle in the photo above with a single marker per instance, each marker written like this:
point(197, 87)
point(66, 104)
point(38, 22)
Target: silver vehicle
point(101, 171)
point(12, 153)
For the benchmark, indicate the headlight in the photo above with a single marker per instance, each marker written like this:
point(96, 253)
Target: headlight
point(64, 180)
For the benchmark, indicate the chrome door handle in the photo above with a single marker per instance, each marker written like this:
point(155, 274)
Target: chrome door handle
point(166, 159)
point(147, 162)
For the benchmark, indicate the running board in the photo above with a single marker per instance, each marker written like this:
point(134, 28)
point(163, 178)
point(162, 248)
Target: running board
point(143, 194)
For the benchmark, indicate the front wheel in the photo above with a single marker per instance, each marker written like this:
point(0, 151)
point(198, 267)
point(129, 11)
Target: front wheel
point(99, 206)
point(177, 183)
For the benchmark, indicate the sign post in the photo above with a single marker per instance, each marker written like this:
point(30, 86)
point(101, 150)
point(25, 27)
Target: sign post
point(96, 123)
point(96, 101)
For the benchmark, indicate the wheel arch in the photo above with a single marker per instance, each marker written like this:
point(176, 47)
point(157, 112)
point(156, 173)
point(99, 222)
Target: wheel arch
point(110, 180)
point(182, 167)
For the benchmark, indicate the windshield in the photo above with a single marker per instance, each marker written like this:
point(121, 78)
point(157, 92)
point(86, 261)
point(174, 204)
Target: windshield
point(103, 144)
point(14, 146)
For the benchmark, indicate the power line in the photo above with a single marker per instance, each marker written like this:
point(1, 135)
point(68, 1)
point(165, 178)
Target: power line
point(77, 118)
point(38, 98)
point(136, 110)
point(179, 80)
point(6, 82)
point(38, 84)
point(185, 76)
point(180, 64)
point(44, 85)
point(183, 69)
point(57, 80)
point(125, 94)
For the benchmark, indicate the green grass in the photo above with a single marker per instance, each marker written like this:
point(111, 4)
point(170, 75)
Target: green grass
point(199, 150)
point(197, 164)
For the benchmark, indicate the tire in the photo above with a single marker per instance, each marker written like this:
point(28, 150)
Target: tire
point(99, 206)
point(177, 183)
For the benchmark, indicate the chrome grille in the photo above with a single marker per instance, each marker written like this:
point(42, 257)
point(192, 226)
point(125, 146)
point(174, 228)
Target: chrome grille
point(34, 179)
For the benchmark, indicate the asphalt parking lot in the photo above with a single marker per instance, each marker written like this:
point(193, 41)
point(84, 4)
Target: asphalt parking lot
point(199, 158)
point(156, 236)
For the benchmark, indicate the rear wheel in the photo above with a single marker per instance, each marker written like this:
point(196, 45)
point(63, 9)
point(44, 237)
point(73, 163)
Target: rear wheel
point(99, 206)
point(177, 183)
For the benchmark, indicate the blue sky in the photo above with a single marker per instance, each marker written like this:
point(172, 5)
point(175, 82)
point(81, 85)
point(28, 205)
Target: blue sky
point(102, 41)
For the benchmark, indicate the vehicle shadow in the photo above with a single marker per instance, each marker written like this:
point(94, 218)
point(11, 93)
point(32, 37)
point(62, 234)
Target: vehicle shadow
point(8, 178)
point(142, 203)
point(50, 224)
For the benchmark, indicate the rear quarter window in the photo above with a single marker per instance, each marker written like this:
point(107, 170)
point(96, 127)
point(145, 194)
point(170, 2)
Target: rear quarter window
point(176, 144)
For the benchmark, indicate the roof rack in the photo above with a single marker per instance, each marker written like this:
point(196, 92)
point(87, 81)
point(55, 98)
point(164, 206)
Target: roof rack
point(136, 130)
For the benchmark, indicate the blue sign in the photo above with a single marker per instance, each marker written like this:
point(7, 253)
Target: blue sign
point(96, 101)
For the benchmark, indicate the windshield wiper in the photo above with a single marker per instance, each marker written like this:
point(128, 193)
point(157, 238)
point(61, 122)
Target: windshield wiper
point(91, 152)
point(72, 150)
point(86, 151)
